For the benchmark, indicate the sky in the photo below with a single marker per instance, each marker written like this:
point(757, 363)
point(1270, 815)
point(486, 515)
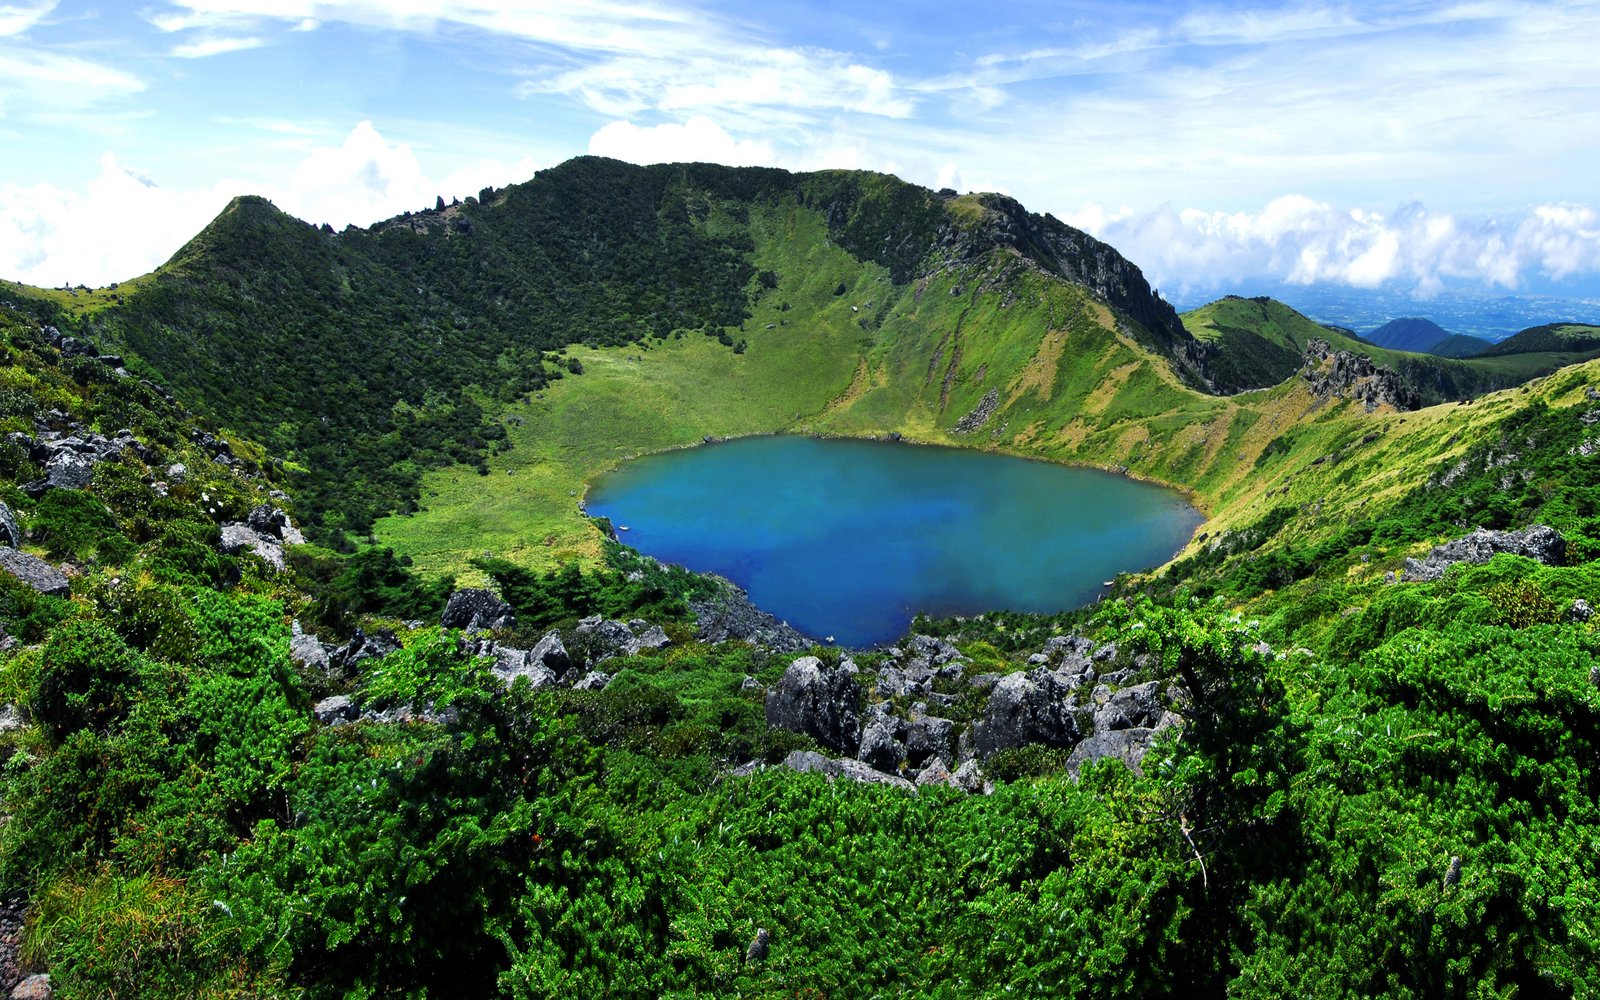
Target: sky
point(1415, 146)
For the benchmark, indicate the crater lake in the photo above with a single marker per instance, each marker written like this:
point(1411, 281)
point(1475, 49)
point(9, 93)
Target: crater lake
point(849, 539)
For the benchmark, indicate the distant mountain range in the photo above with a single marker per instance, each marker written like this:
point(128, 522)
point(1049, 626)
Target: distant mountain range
point(1490, 317)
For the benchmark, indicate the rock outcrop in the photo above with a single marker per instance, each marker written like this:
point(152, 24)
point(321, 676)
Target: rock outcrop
point(1538, 542)
point(307, 650)
point(1346, 375)
point(362, 647)
point(1079, 696)
point(475, 610)
point(1035, 707)
point(819, 701)
point(729, 615)
point(546, 664)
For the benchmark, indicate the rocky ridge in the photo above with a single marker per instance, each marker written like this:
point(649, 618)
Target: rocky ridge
point(1347, 375)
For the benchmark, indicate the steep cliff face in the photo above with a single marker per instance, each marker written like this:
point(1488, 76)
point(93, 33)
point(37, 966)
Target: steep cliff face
point(1110, 277)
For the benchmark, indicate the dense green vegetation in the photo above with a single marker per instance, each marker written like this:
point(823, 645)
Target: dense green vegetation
point(1378, 788)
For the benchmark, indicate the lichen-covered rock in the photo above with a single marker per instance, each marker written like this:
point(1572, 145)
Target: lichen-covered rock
point(35, 987)
point(68, 470)
point(35, 572)
point(819, 701)
point(472, 610)
point(1538, 542)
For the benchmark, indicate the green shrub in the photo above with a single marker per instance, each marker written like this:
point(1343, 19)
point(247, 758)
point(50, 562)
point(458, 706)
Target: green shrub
point(72, 524)
point(88, 679)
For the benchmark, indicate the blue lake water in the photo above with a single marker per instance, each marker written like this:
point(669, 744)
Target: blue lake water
point(851, 538)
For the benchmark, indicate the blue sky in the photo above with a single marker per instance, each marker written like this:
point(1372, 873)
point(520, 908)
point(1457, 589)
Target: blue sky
point(1411, 145)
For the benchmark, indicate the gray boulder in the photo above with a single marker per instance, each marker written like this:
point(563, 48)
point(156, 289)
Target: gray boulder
point(881, 746)
point(648, 636)
point(819, 701)
point(335, 711)
point(68, 470)
point(1538, 542)
point(809, 761)
point(551, 653)
point(543, 665)
point(1023, 709)
point(35, 572)
point(10, 534)
point(936, 773)
point(238, 536)
point(929, 737)
point(1133, 707)
point(969, 778)
point(606, 639)
point(472, 610)
point(594, 680)
point(10, 719)
point(306, 649)
point(363, 647)
point(267, 520)
point(1126, 745)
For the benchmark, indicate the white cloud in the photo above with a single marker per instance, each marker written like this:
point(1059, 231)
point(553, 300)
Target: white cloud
point(698, 140)
point(117, 227)
point(15, 18)
point(122, 224)
point(34, 80)
point(1303, 241)
point(215, 47)
point(620, 58)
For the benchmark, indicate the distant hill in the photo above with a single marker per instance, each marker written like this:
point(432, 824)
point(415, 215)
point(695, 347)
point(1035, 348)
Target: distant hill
point(1259, 342)
point(1411, 333)
point(1459, 345)
point(1424, 336)
point(1556, 337)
